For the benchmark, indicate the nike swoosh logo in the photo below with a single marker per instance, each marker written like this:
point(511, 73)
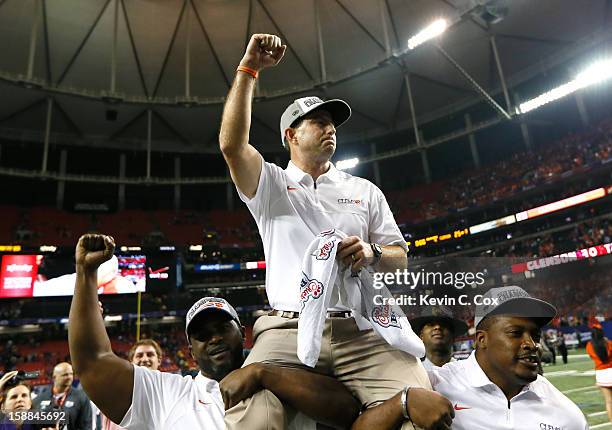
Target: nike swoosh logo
point(204, 403)
point(460, 408)
point(163, 269)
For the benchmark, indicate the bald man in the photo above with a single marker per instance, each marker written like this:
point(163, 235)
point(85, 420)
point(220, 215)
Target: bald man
point(63, 396)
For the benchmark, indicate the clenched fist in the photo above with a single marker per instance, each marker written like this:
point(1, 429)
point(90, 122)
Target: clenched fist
point(93, 250)
point(263, 50)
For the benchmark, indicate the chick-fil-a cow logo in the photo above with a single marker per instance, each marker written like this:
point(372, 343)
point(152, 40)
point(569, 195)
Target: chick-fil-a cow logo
point(385, 317)
point(310, 288)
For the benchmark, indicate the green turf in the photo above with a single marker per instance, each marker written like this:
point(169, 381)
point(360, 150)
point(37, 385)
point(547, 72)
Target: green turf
point(590, 400)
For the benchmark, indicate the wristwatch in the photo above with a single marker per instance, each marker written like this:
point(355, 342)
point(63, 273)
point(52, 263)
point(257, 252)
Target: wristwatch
point(377, 250)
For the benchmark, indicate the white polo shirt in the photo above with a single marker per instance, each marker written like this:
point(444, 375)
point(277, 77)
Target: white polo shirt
point(169, 401)
point(428, 365)
point(481, 405)
point(290, 210)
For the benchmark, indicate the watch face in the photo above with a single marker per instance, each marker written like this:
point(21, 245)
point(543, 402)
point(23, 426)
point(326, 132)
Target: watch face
point(377, 249)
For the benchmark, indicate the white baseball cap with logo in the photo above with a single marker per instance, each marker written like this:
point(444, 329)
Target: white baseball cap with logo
point(339, 110)
point(210, 304)
point(513, 300)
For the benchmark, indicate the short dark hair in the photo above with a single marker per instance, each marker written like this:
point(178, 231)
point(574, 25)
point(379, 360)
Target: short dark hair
point(7, 388)
point(148, 342)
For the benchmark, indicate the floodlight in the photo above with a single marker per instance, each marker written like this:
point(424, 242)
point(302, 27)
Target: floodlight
point(434, 29)
point(594, 74)
point(347, 164)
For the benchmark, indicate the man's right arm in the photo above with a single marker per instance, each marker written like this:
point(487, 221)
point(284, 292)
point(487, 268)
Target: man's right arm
point(321, 397)
point(243, 160)
point(427, 409)
point(107, 379)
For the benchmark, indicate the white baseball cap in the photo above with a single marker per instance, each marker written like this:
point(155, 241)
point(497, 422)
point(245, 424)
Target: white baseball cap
point(513, 300)
point(210, 304)
point(339, 110)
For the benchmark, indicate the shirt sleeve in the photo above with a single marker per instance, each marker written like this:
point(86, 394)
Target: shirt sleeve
point(271, 184)
point(155, 393)
point(382, 226)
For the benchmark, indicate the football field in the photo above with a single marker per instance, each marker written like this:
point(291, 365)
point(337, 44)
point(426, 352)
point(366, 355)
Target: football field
point(576, 379)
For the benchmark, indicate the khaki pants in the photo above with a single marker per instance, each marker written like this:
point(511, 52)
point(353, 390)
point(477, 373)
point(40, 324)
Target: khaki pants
point(371, 369)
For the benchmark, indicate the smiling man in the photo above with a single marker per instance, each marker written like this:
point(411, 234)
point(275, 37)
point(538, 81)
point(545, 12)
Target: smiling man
point(146, 353)
point(498, 386)
point(139, 398)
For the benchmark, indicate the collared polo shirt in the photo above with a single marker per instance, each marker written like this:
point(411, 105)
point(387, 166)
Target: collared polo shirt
point(428, 365)
point(481, 405)
point(168, 401)
point(290, 209)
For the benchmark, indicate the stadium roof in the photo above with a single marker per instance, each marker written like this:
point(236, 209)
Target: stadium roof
point(128, 56)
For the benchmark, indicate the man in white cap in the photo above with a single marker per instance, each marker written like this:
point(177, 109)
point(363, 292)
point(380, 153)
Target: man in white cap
point(136, 397)
point(498, 386)
point(291, 207)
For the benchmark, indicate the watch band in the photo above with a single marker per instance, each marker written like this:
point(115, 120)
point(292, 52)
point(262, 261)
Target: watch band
point(377, 251)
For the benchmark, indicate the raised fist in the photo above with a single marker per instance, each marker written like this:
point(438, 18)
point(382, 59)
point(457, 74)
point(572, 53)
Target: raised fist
point(263, 50)
point(93, 250)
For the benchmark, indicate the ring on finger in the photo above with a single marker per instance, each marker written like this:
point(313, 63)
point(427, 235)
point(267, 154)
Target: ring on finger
point(353, 257)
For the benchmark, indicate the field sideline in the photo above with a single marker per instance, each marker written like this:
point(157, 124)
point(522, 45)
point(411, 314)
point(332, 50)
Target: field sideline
point(577, 381)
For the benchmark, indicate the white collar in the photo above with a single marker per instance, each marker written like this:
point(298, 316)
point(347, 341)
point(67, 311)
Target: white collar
point(206, 382)
point(298, 174)
point(478, 378)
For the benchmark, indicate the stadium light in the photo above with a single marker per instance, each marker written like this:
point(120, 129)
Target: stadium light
point(347, 164)
point(594, 74)
point(434, 29)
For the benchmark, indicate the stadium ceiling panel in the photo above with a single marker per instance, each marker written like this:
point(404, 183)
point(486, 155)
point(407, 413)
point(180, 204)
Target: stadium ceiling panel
point(177, 57)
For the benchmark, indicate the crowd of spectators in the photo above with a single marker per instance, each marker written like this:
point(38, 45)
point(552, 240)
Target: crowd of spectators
point(521, 172)
point(583, 235)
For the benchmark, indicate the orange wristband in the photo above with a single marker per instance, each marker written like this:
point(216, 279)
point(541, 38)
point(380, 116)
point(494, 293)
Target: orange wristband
point(248, 70)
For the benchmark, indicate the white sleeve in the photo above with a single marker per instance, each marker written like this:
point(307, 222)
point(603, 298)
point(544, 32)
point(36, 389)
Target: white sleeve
point(434, 379)
point(382, 226)
point(155, 393)
point(272, 184)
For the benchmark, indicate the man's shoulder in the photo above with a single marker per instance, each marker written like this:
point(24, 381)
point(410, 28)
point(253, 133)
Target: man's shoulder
point(44, 394)
point(556, 398)
point(357, 181)
point(163, 377)
point(78, 393)
point(450, 372)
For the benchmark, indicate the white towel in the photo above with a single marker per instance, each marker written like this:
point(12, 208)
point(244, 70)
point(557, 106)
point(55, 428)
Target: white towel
point(319, 273)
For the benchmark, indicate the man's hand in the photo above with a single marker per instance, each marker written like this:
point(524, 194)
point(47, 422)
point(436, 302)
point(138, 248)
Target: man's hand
point(263, 50)
point(429, 409)
point(6, 377)
point(355, 252)
point(241, 384)
point(93, 250)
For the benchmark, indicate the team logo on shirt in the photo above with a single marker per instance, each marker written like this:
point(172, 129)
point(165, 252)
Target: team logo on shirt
point(385, 317)
point(310, 288)
point(544, 426)
point(350, 201)
point(324, 251)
